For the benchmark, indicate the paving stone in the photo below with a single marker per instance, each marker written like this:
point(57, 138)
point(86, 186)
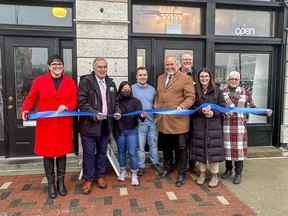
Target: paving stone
point(4, 195)
point(28, 196)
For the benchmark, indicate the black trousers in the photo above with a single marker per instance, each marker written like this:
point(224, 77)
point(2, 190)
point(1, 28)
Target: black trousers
point(177, 142)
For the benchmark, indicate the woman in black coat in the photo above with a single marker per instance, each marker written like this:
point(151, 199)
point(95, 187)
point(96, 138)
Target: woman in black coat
point(126, 133)
point(207, 133)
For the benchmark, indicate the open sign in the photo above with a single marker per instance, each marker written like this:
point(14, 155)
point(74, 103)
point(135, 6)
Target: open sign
point(244, 31)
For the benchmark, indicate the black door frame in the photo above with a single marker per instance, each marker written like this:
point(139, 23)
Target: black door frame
point(155, 55)
point(14, 124)
point(2, 141)
point(8, 43)
point(259, 134)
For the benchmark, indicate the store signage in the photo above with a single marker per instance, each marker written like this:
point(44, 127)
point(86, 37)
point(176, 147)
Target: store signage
point(244, 31)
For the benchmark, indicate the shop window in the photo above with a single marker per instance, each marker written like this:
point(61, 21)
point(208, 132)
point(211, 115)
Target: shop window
point(46, 16)
point(141, 60)
point(1, 101)
point(30, 62)
point(254, 74)
point(67, 58)
point(245, 23)
point(166, 19)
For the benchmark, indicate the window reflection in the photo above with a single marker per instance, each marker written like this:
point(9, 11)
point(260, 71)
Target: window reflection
point(1, 101)
point(166, 19)
point(141, 60)
point(29, 64)
point(244, 23)
point(67, 58)
point(254, 72)
point(21, 15)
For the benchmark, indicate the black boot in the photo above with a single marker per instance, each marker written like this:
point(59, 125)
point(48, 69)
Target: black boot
point(193, 168)
point(228, 171)
point(50, 174)
point(61, 168)
point(238, 171)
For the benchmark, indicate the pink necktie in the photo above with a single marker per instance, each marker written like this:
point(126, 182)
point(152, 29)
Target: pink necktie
point(103, 94)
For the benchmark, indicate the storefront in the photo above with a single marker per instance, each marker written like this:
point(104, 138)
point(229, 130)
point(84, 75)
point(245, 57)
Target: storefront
point(245, 36)
point(224, 35)
point(29, 33)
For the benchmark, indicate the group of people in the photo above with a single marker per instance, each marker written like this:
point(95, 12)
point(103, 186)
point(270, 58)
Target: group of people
point(206, 137)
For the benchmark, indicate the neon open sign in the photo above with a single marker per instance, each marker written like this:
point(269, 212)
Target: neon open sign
point(244, 31)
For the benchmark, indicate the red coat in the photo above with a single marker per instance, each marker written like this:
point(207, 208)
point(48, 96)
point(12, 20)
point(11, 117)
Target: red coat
point(53, 135)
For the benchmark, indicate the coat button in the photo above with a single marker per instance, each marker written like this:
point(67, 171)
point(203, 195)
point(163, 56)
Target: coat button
point(56, 98)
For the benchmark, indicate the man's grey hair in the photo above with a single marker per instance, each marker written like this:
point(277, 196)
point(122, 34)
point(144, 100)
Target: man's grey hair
point(169, 56)
point(98, 59)
point(185, 53)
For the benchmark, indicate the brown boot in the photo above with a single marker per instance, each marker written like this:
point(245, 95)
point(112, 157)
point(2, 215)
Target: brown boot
point(201, 178)
point(214, 180)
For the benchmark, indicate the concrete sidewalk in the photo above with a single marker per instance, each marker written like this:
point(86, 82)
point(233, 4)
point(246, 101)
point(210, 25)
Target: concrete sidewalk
point(263, 191)
point(264, 186)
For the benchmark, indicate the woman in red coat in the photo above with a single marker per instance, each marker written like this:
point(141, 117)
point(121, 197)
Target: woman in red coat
point(53, 92)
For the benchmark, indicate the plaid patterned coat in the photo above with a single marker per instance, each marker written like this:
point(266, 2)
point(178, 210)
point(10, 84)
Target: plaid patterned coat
point(235, 126)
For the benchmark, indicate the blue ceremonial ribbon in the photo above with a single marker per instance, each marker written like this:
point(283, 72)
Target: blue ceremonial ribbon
point(51, 114)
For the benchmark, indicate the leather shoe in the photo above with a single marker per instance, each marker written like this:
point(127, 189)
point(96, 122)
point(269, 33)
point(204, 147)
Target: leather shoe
point(180, 181)
point(162, 175)
point(101, 183)
point(87, 187)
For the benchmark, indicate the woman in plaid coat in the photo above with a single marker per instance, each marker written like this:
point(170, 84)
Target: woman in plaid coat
point(235, 126)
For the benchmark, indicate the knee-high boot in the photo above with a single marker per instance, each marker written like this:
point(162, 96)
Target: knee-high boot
point(61, 168)
point(50, 174)
point(238, 171)
point(228, 171)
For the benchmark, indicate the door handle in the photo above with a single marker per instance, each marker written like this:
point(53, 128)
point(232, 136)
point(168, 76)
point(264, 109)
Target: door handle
point(10, 107)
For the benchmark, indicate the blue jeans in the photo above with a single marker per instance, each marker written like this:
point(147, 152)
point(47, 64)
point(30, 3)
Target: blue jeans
point(147, 132)
point(128, 141)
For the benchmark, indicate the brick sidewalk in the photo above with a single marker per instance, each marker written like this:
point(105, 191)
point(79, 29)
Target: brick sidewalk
point(27, 195)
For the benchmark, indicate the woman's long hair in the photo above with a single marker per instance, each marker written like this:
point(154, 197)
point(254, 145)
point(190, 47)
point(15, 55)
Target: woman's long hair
point(211, 84)
point(121, 86)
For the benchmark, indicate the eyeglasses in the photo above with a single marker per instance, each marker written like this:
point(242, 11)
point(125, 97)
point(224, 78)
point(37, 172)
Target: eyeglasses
point(56, 64)
point(234, 79)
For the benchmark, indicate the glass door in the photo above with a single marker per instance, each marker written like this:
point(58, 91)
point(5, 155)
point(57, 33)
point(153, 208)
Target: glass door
point(150, 53)
point(26, 59)
point(255, 68)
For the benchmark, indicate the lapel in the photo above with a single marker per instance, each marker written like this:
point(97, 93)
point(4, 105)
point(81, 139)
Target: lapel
point(49, 82)
point(237, 96)
point(162, 81)
point(63, 85)
point(175, 77)
point(232, 98)
point(94, 83)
